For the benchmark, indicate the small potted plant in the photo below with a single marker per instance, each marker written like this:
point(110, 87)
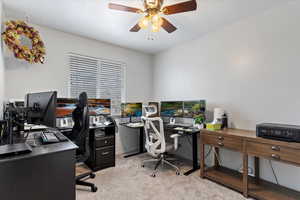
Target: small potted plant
point(199, 121)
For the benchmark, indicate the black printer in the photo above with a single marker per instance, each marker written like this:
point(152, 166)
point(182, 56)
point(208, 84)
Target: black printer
point(283, 132)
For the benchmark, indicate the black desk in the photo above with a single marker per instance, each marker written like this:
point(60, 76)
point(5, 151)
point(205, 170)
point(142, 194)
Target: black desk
point(194, 135)
point(141, 139)
point(170, 128)
point(47, 173)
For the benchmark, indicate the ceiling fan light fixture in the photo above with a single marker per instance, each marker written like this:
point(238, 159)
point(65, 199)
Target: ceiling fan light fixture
point(144, 22)
point(152, 11)
point(155, 28)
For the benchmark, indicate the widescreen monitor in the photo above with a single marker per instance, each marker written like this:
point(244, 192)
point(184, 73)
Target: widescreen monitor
point(99, 106)
point(65, 107)
point(131, 109)
point(193, 109)
point(171, 109)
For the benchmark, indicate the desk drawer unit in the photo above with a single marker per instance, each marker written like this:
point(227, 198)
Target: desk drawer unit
point(106, 141)
point(274, 152)
point(105, 157)
point(102, 148)
point(218, 140)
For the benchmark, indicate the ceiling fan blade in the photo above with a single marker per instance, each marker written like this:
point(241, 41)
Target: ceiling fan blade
point(180, 7)
point(170, 28)
point(124, 8)
point(136, 28)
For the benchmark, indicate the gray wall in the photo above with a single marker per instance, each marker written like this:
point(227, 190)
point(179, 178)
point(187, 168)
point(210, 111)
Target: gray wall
point(22, 77)
point(250, 68)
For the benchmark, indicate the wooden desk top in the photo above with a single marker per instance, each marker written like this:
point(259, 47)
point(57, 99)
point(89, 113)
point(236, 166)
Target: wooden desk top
point(233, 132)
point(251, 136)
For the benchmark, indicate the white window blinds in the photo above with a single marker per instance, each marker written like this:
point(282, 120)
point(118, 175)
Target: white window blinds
point(83, 76)
point(110, 83)
point(100, 78)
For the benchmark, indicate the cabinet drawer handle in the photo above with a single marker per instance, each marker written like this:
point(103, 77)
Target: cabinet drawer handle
point(105, 141)
point(275, 156)
point(275, 148)
point(220, 138)
point(220, 144)
point(105, 153)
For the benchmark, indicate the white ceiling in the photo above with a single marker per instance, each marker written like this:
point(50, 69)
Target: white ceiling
point(93, 19)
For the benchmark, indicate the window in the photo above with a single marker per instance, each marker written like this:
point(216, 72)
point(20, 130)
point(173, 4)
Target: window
point(100, 78)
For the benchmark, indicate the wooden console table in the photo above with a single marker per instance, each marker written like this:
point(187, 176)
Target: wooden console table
point(247, 143)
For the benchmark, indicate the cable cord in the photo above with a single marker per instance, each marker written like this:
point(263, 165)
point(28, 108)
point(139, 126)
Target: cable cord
point(271, 165)
point(217, 156)
point(208, 153)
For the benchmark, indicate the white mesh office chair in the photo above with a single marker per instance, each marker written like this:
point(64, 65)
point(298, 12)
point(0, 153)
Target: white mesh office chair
point(156, 144)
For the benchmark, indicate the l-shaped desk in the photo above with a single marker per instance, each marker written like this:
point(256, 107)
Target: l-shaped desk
point(170, 128)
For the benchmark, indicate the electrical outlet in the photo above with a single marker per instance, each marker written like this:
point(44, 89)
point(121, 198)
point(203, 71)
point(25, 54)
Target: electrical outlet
point(250, 171)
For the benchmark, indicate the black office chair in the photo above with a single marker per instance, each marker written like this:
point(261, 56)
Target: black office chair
point(80, 136)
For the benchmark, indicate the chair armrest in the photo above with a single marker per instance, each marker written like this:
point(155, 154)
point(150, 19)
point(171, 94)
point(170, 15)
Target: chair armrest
point(175, 137)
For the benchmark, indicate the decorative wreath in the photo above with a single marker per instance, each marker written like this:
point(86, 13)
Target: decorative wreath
point(12, 38)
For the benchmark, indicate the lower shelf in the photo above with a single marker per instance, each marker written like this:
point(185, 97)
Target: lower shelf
point(262, 189)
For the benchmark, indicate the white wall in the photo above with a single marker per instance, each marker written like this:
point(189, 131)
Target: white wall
point(250, 68)
point(2, 81)
point(22, 77)
point(53, 75)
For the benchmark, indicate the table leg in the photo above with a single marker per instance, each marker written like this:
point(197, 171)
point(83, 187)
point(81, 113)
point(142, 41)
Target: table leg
point(202, 159)
point(256, 166)
point(245, 175)
point(195, 155)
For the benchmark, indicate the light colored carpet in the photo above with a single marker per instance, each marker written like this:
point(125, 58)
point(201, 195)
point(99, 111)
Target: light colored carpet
point(129, 181)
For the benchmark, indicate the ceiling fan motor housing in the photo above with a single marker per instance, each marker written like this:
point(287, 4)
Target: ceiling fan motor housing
point(153, 4)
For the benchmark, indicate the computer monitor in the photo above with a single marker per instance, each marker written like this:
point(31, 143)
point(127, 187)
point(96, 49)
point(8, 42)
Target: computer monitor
point(193, 109)
point(171, 109)
point(65, 107)
point(99, 106)
point(42, 108)
point(131, 109)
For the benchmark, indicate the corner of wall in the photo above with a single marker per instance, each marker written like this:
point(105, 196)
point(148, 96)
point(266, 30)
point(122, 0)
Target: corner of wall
point(2, 81)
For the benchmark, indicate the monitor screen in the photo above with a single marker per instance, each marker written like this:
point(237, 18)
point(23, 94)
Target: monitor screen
point(171, 109)
point(65, 107)
point(192, 109)
point(131, 109)
point(42, 108)
point(99, 106)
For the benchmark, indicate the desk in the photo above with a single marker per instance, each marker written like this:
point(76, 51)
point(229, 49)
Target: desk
point(194, 135)
point(248, 144)
point(47, 173)
point(141, 139)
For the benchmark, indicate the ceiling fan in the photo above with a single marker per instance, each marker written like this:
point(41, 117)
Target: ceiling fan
point(152, 14)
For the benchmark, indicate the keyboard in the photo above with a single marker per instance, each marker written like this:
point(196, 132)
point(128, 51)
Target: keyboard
point(135, 124)
point(52, 137)
point(181, 125)
point(33, 127)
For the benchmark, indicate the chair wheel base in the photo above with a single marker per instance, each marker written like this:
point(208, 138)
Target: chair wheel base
point(92, 176)
point(153, 175)
point(177, 173)
point(142, 166)
point(94, 189)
